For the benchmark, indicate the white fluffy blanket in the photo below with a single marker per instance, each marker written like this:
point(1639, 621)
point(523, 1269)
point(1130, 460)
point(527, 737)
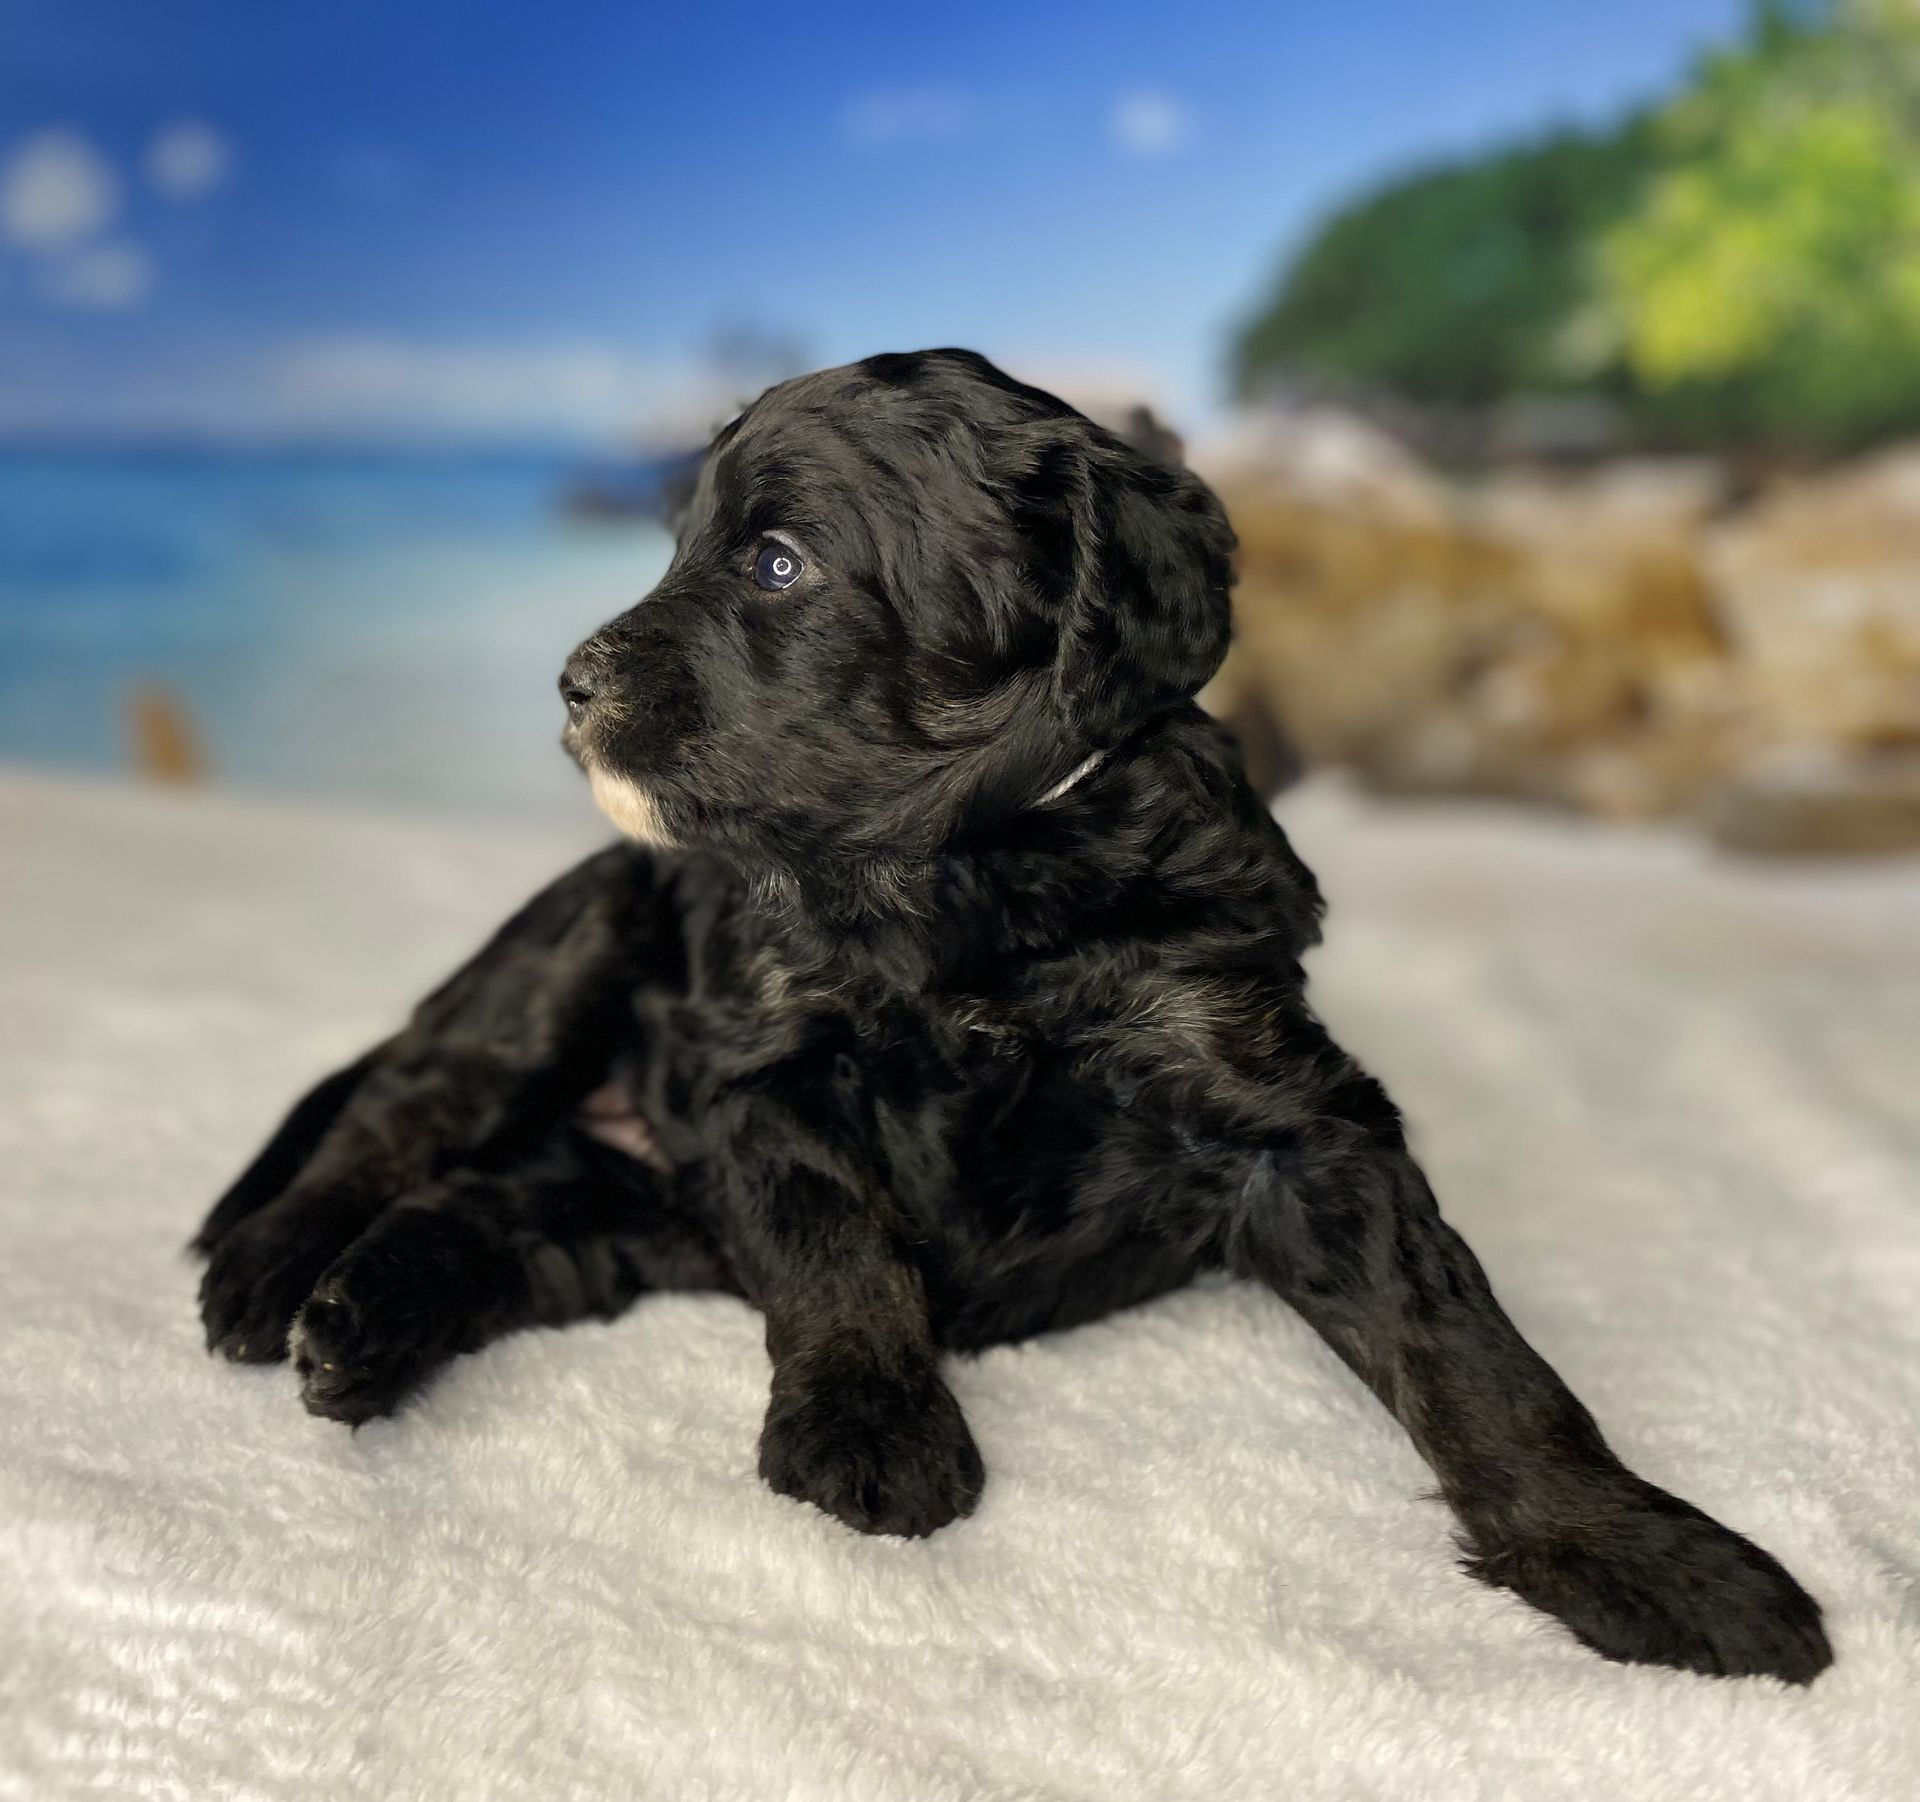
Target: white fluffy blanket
point(1674, 1103)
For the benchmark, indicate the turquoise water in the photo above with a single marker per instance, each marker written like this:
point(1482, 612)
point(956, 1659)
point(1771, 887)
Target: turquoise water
point(362, 626)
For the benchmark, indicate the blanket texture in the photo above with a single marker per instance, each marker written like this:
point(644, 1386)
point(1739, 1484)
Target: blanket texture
point(1674, 1103)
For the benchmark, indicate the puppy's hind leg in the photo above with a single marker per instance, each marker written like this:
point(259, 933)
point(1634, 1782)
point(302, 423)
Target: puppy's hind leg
point(283, 1156)
point(488, 1065)
point(1349, 1233)
point(571, 1232)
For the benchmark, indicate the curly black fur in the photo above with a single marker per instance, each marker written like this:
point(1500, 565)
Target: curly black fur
point(917, 1051)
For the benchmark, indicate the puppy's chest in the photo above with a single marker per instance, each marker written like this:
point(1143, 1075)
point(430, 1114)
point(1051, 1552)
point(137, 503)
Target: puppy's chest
point(956, 1080)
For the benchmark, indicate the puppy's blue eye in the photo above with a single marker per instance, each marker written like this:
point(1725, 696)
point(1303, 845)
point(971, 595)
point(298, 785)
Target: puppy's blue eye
point(777, 566)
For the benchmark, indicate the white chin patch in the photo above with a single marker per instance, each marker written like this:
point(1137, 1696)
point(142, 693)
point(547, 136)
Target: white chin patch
point(629, 807)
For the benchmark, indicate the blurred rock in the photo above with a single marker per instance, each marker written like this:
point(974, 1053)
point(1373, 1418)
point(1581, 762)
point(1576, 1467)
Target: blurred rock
point(1819, 586)
point(1236, 699)
point(1516, 641)
point(1152, 437)
point(1325, 455)
point(1820, 805)
point(1564, 428)
point(161, 737)
point(1622, 640)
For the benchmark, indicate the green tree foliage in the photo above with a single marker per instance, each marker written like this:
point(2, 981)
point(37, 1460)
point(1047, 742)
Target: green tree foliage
point(1459, 285)
point(1768, 281)
point(1741, 264)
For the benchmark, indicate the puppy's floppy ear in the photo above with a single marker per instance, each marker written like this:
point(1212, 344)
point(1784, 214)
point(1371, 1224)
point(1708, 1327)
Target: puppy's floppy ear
point(1138, 557)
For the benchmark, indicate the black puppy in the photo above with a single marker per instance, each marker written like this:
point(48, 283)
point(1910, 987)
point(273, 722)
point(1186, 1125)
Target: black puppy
point(955, 996)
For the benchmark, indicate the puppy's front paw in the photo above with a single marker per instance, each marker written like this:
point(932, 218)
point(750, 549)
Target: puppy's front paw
point(1658, 1582)
point(260, 1273)
point(886, 1453)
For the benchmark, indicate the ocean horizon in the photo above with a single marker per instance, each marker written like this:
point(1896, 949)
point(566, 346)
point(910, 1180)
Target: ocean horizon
point(364, 623)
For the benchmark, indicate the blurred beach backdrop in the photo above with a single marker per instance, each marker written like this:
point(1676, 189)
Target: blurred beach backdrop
point(375, 626)
point(1558, 364)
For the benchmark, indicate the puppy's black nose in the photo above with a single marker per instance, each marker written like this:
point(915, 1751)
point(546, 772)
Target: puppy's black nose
point(576, 687)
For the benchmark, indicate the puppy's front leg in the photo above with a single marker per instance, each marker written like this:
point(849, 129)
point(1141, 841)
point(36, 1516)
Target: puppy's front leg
point(1348, 1231)
point(861, 1423)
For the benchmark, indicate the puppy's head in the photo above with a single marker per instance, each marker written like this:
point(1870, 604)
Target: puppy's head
point(909, 596)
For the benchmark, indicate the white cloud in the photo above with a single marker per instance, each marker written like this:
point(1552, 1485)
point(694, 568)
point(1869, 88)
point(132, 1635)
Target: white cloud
point(367, 390)
point(1148, 124)
point(103, 277)
point(905, 115)
point(386, 386)
point(188, 159)
point(55, 189)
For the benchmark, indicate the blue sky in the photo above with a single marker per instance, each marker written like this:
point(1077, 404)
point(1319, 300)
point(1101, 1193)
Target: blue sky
point(516, 220)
